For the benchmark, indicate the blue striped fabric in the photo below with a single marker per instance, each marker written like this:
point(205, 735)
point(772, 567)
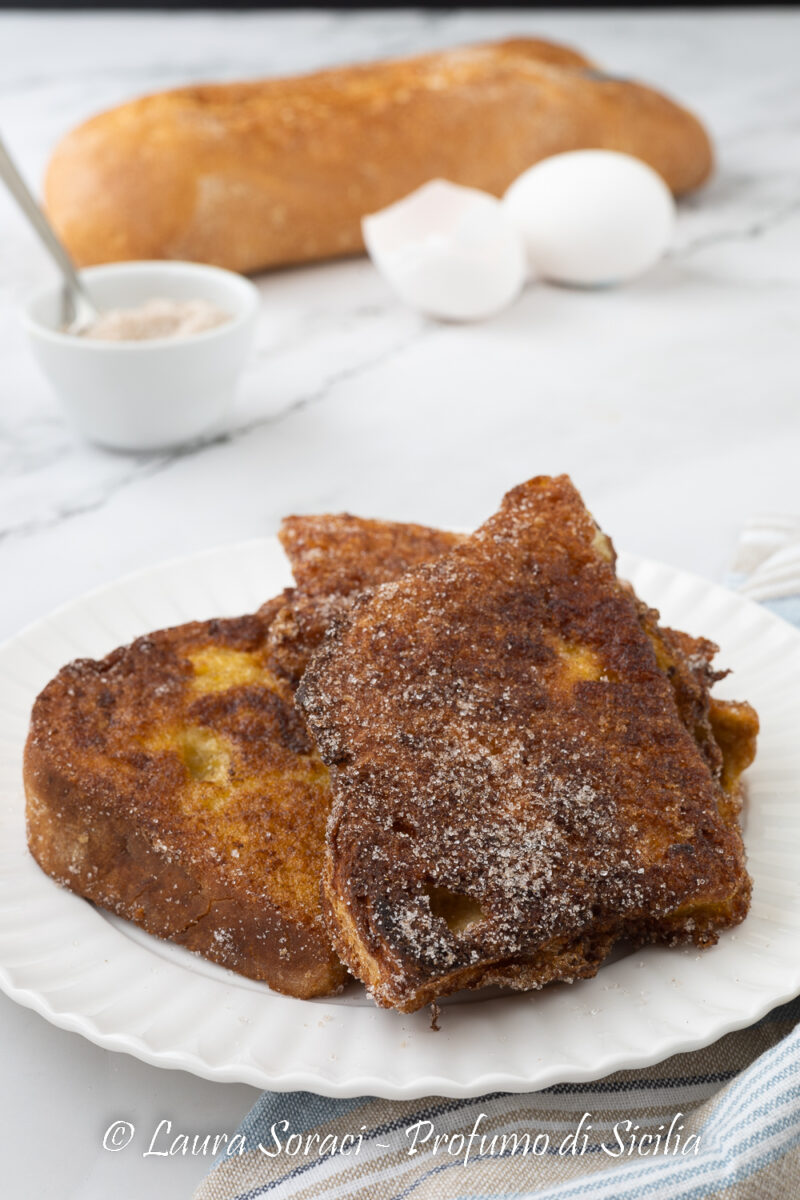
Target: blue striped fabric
point(747, 1128)
point(739, 1099)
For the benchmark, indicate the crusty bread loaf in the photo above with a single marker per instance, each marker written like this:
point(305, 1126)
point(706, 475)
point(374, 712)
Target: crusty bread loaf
point(255, 175)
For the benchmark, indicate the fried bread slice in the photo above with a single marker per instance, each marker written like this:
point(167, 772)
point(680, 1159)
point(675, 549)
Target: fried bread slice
point(518, 780)
point(173, 782)
point(333, 557)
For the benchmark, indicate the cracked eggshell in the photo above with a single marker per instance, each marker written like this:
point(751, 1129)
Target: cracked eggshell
point(449, 251)
point(591, 217)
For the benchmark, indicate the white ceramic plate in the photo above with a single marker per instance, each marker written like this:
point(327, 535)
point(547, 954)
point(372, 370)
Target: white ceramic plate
point(86, 971)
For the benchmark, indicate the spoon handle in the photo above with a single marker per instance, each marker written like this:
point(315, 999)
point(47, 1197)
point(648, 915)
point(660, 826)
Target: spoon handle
point(82, 306)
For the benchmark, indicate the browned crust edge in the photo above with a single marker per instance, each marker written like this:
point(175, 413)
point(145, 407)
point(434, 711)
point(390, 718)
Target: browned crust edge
point(99, 856)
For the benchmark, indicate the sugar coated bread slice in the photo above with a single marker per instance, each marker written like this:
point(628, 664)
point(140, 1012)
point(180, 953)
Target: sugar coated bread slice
point(525, 768)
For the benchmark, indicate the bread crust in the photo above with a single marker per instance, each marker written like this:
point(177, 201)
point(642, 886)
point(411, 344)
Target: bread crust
point(257, 175)
point(524, 766)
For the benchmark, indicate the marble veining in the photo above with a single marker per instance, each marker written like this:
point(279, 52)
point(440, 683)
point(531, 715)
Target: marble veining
point(350, 400)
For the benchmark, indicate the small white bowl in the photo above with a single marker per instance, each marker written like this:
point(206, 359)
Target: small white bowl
point(153, 394)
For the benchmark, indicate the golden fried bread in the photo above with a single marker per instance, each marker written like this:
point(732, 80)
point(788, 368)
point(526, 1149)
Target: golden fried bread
point(174, 783)
point(525, 768)
point(334, 557)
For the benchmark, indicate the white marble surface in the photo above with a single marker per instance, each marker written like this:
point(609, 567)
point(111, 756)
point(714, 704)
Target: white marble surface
point(674, 404)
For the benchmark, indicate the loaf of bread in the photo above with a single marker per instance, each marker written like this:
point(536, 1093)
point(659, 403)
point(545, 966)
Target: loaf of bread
point(255, 175)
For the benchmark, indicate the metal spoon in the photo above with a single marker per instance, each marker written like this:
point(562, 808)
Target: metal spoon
point(78, 309)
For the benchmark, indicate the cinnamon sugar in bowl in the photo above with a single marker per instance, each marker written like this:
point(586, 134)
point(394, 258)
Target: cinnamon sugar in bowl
point(153, 392)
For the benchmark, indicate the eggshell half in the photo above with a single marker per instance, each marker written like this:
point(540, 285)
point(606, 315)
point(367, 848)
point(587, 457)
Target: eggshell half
point(449, 251)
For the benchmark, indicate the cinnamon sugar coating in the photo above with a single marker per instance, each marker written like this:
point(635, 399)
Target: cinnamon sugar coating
point(524, 766)
point(333, 558)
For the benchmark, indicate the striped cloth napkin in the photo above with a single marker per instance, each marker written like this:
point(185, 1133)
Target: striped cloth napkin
point(739, 1099)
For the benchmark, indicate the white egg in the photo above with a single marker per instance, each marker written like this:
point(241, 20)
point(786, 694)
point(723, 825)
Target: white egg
point(449, 251)
point(591, 217)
